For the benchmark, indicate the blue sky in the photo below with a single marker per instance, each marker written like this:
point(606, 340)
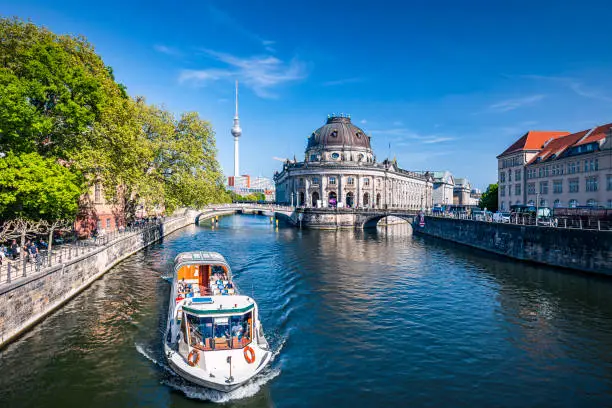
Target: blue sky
point(448, 84)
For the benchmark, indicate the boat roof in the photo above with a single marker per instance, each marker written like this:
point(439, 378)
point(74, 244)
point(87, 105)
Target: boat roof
point(200, 257)
point(216, 305)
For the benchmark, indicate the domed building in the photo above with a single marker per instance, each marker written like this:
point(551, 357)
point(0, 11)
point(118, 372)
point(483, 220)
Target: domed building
point(340, 170)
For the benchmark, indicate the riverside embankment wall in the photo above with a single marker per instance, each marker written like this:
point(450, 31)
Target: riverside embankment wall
point(27, 300)
point(584, 250)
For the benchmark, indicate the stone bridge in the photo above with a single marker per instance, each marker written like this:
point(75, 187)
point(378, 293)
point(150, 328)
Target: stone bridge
point(319, 218)
point(281, 212)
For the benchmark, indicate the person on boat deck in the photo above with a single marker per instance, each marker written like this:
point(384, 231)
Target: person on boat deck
point(181, 286)
point(237, 330)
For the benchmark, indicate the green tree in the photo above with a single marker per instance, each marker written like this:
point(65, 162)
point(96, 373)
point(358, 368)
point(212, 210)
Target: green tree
point(489, 198)
point(35, 188)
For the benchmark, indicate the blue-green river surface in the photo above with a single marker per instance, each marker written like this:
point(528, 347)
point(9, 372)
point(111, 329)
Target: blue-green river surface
point(356, 319)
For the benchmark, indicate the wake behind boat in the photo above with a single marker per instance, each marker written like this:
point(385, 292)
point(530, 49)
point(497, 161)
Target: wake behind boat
point(214, 337)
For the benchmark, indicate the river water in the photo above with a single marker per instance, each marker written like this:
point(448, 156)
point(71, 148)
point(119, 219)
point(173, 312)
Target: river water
point(376, 318)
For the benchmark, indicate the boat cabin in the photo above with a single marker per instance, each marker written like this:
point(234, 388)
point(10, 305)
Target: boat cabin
point(219, 323)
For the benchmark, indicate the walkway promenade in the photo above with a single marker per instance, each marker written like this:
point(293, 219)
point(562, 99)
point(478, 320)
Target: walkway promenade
point(12, 270)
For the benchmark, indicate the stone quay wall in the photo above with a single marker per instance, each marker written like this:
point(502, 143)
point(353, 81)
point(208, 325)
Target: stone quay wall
point(26, 301)
point(584, 250)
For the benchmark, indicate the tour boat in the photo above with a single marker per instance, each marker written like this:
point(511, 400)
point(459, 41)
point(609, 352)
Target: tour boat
point(214, 337)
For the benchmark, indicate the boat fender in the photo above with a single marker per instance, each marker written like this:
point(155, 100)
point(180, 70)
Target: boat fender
point(193, 358)
point(249, 355)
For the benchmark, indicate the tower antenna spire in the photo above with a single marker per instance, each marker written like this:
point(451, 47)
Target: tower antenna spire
point(236, 98)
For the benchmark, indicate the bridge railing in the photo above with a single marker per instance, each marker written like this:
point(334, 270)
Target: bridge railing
point(552, 222)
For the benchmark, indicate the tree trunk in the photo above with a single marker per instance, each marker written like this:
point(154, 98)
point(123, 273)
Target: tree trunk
point(21, 250)
point(50, 245)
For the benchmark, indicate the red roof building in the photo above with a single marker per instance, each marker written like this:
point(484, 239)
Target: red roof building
point(557, 169)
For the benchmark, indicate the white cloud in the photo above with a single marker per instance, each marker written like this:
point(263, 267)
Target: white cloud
point(512, 104)
point(167, 50)
point(575, 85)
point(363, 121)
point(260, 73)
point(406, 137)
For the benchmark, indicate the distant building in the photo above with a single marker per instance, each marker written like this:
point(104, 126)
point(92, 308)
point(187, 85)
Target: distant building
point(558, 169)
point(443, 185)
point(340, 170)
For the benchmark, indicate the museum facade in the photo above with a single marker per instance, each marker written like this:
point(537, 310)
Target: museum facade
point(340, 170)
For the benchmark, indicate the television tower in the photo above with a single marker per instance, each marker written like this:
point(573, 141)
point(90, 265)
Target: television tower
point(236, 132)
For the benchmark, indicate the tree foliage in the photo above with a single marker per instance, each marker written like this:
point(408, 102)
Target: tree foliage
point(61, 108)
point(489, 198)
point(35, 187)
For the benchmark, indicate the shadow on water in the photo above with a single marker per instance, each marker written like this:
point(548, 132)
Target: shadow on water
point(359, 318)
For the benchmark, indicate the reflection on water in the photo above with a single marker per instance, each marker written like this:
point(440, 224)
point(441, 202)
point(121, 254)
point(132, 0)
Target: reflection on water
point(357, 318)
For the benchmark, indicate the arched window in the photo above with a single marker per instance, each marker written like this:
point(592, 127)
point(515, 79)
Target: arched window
point(350, 199)
point(301, 199)
point(333, 199)
point(557, 203)
point(366, 199)
point(315, 198)
point(573, 203)
point(378, 200)
point(591, 202)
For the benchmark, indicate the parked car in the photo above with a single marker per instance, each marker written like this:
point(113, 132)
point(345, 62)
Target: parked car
point(501, 216)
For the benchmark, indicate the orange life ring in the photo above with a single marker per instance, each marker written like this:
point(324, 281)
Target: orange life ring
point(193, 358)
point(249, 355)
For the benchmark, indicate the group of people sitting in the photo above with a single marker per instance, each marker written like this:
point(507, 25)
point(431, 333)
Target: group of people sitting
point(220, 285)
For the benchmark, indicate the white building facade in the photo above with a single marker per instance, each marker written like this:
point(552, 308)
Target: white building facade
point(340, 169)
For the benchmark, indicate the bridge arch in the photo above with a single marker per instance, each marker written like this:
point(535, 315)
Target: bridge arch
point(372, 220)
point(266, 210)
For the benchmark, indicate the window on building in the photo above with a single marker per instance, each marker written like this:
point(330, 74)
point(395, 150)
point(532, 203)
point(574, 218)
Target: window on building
point(591, 183)
point(517, 189)
point(108, 223)
point(591, 202)
point(574, 185)
point(502, 191)
point(350, 181)
point(543, 202)
point(573, 203)
point(335, 156)
point(609, 181)
point(366, 181)
point(332, 180)
point(313, 157)
point(301, 182)
point(546, 170)
point(586, 166)
point(503, 206)
point(509, 176)
point(609, 203)
point(557, 186)
point(531, 188)
point(531, 203)
point(99, 225)
point(543, 187)
point(541, 172)
point(557, 203)
point(315, 181)
point(502, 177)
point(97, 193)
point(517, 175)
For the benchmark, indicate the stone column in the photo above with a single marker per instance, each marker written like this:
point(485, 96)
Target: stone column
point(358, 198)
point(322, 191)
point(339, 192)
point(307, 192)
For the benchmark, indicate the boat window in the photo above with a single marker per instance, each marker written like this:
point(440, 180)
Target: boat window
point(220, 333)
